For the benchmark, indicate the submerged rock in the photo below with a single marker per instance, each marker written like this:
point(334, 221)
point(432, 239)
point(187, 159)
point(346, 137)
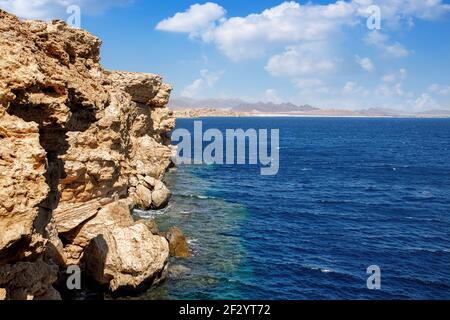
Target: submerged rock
point(178, 271)
point(178, 243)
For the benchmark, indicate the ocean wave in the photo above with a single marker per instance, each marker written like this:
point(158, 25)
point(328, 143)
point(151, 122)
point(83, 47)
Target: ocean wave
point(148, 213)
point(321, 269)
point(434, 251)
point(195, 196)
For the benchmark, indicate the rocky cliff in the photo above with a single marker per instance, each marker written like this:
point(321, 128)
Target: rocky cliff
point(79, 148)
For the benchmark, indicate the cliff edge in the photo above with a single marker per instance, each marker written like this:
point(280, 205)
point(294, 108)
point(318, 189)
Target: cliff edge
point(79, 148)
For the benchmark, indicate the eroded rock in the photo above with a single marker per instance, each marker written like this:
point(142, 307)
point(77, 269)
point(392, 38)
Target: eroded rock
point(2, 294)
point(26, 280)
point(73, 140)
point(161, 195)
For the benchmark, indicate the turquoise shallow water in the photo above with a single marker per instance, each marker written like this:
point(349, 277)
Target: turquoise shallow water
point(218, 268)
point(350, 193)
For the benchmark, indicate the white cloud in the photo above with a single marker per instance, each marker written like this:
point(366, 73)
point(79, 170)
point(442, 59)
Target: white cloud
point(424, 102)
point(193, 89)
point(439, 89)
point(395, 90)
point(390, 77)
point(381, 42)
point(395, 76)
point(350, 86)
point(307, 83)
point(56, 9)
point(300, 42)
point(291, 23)
point(198, 18)
point(365, 63)
point(286, 24)
point(403, 73)
point(207, 80)
point(396, 13)
point(302, 60)
point(271, 95)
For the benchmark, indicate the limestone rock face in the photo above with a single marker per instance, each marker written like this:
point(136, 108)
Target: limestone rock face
point(77, 146)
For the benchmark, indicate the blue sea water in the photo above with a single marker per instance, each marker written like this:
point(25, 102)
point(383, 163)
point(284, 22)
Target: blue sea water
point(350, 193)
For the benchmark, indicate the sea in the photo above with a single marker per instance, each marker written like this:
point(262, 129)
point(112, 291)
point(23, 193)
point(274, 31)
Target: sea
point(351, 193)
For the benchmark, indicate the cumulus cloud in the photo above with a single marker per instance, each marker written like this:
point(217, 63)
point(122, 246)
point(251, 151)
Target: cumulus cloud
point(56, 9)
point(382, 42)
point(353, 88)
point(291, 23)
point(207, 80)
point(302, 60)
point(301, 41)
point(424, 102)
point(396, 13)
point(198, 18)
point(288, 23)
point(365, 63)
point(400, 75)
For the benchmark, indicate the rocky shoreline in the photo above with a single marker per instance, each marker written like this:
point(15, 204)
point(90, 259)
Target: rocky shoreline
point(80, 148)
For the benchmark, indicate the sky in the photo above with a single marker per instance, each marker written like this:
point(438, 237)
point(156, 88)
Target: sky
point(352, 54)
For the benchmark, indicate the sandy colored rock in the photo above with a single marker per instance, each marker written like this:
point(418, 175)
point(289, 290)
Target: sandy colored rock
point(144, 196)
point(116, 214)
point(2, 294)
point(22, 184)
point(178, 243)
point(151, 225)
point(69, 217)
point(73, 139)
point(119, 259)
point(150, 181)
point(161, 195)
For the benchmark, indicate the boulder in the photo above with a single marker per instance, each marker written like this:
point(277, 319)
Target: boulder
point(178, 243)
point(178, 271)
point(144, 197)
point(160, 196)
point(150, 181)
point(151, 225)
point(127, 258)
point(2, 294)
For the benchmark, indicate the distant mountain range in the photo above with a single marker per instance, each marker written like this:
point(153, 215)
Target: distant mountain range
point(237, 105)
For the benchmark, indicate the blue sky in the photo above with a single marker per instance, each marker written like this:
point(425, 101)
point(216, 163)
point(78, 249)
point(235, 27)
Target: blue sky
point(316, 52)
